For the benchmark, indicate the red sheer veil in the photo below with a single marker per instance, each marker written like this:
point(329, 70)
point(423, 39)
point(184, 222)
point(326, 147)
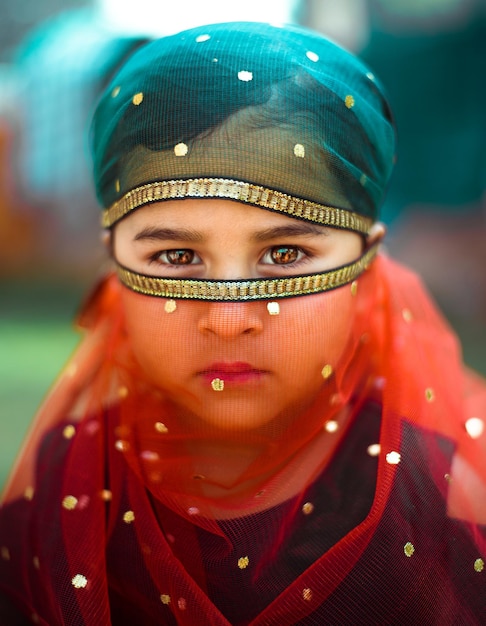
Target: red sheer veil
point(277, 120)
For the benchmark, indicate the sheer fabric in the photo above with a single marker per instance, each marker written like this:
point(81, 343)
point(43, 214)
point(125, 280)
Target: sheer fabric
point(251, 102)
point(356, 493)
point(115, 518)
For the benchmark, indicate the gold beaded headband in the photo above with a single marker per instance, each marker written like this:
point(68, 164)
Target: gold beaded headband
point(248, 193)
point(244, 290)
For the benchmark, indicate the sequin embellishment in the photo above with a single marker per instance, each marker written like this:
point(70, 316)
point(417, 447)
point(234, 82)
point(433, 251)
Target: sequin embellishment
point(245, 76)
point(299, 150)
point(122, 446)
point(161, 428)
point(79, 581)
point(349, 101)
point(137, 99)
point(69, 503)
point(479, 565)
point(408, 549)
point(181, 149)
point(68, 432)
point(29, 493)
point(326, 371)
point(243, 562)
point(393, 458)
point(312, 56)
point(241, 191)
point(245, 290)
point(307, 508)
point(307, 594)
point(374, 449)
point(217, 384)
point(165, 598)
point(202, 38)
point(273, 308)
point(331, 426)
point(115, 91)
point(474, 427)
point(429, 394)
point(170, 306)
point(128, 517)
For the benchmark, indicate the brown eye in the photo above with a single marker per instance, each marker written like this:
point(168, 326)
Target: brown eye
point(180, 257)
point(283, 255)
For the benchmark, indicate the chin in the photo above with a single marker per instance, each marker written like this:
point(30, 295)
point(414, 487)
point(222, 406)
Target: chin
point(232, 415)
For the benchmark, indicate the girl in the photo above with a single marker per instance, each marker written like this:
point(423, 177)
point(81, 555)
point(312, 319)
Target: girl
point(267, 421)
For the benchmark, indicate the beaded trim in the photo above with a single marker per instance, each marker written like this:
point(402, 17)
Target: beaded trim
point(236, 190)
point(243, 290)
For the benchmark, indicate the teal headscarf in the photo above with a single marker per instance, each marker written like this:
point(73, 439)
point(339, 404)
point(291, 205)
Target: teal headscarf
point(221, 106)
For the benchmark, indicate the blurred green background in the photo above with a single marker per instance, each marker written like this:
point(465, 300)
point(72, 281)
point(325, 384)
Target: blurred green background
point(36, 338)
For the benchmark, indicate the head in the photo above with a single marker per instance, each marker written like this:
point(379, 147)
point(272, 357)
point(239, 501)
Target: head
point(230, 159)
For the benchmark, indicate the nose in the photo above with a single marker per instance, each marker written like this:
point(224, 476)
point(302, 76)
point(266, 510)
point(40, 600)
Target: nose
point(232, 319)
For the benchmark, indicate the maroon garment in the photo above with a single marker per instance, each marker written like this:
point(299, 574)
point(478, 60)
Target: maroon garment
point(397, 590)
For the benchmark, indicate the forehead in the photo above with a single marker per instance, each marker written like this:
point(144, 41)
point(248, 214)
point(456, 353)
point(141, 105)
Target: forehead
point(212, 216)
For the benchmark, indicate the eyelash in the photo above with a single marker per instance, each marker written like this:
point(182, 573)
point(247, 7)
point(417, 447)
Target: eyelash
point(302, 256)
point(305, 256)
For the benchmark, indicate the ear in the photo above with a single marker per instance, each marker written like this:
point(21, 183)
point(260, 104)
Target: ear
point(376, 234)
point(107, 240)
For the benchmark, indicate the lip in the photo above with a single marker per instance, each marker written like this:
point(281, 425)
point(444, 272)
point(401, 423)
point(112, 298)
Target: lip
point(233, 373)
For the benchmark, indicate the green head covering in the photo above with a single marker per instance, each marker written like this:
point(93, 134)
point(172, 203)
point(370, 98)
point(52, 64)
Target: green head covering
point(275, 117)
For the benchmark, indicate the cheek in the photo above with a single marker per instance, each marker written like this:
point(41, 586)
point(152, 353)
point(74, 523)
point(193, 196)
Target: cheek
point(310, 333)
point(318, 331)
point(159, 339)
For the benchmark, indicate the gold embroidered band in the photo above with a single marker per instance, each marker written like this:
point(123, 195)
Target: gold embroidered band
point(243, 290)
point(236, 190)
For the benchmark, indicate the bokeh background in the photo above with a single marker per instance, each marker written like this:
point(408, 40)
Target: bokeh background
point(55, 57)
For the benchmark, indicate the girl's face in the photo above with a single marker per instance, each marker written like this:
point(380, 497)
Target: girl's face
point(271, 364)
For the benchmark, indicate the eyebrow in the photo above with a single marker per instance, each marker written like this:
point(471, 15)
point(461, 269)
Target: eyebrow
point(159, 234)
point(291, 230)
point(155, 233)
